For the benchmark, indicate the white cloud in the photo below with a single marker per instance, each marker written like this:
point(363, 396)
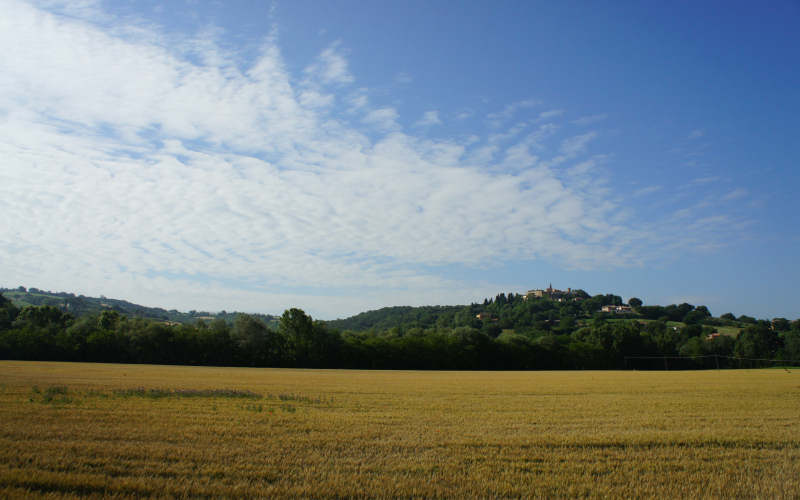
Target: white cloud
point(429, 118)
point(330, 66)
point(132, 171)
point(383, 119)
point(483, 155)
point(313, 99)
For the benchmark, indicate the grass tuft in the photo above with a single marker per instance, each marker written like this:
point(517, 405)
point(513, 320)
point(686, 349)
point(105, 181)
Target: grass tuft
point(53, 394)
point(300, 399)
point(142, 392)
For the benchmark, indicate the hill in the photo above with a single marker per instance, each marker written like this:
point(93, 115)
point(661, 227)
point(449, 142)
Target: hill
point(394, 317)
point(81, 305)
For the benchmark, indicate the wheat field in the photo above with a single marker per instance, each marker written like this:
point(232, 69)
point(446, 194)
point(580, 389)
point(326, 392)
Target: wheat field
point(99, 430)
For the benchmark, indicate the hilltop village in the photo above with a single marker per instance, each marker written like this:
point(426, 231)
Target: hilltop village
point(571, 295)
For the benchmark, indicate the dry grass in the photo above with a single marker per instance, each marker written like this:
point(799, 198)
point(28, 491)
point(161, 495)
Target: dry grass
point(222, 432)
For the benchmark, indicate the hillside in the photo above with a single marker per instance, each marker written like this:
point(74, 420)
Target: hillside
point(81, 305)
point(387, 318)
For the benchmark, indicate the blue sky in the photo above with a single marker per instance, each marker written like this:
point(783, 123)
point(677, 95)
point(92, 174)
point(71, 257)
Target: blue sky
point(344, 156)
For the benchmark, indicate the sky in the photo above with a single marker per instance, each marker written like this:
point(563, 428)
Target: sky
point(344, 156)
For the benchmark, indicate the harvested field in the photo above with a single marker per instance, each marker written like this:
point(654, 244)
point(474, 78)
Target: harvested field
point(73, 429)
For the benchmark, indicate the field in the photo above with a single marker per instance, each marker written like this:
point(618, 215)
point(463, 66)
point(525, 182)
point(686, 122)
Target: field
point(69, 429)
point(730, 331)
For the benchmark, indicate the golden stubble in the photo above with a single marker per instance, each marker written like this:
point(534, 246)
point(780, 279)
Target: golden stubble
point(340, 433)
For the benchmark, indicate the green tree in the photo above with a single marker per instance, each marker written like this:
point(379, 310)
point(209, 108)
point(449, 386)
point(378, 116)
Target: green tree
point(214, 342)
point(665, 338)
point(722, 345)
point(652, 312)
point(757, 341)
point(42, 317)
point(312, 343)
point(781, 324)
point(747, 319)
point(703, 310)
point(791, 345)
point(690, 331)
point(695, 346)
point(257, 344)
point(298, 328)
point(8, 313)
point(694, 317)
point(108, 320)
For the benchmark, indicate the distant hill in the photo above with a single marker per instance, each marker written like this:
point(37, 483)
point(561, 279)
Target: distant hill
point(391, 317)
point(80, 305)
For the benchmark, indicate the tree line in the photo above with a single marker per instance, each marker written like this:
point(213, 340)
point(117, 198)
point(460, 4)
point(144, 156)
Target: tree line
point(506, 332)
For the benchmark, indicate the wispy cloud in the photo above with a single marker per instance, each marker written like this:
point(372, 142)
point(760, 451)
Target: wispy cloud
point(735, 194)
point(705, 180)
point(497, 119)
point(546, 115)
point(590, 119)
point(429, 118)
point(403, 78)
point(330, 66)
point(357, 101)
point(696, 133)
point(575, 145)
point(646, 191)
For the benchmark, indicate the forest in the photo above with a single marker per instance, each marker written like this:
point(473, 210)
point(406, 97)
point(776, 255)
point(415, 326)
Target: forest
point(506, 332)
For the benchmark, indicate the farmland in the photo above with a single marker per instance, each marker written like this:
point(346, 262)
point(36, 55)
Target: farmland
point(76, 429)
